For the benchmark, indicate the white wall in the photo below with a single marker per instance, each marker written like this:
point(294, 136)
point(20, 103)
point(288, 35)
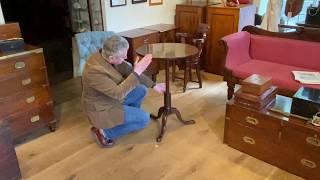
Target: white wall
point(132, 16)
point(1, 16)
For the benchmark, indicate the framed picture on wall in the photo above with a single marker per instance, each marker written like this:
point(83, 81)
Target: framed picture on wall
point(115, 3)
point(155, 2)
point(138, 1)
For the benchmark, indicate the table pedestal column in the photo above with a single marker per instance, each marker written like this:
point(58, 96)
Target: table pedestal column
point(166, 110)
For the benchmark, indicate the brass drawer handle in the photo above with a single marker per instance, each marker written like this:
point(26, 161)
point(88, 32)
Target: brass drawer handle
point(308, 163)
point(20, 65)
point(313, 141)
point(26, 81)
point(30, 99)
point(35, 118)
point(145, 41)
point(252, 120)
point(248, 140)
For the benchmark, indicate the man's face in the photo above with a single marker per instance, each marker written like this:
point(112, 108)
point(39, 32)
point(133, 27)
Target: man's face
point(118, 58)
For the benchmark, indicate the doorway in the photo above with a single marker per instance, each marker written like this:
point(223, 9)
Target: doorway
point(46, 24)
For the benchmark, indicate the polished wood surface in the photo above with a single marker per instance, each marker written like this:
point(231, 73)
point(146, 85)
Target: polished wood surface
point(25, 99)
point(224, 21)
point(9, 167)
point(187, 152)
point(277, 138)
point(168, 52)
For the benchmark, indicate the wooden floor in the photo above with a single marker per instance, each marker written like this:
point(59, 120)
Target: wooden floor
point(193, 152)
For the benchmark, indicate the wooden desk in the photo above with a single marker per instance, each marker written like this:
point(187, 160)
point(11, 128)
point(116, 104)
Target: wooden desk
point(167, 31)
point(167, 52)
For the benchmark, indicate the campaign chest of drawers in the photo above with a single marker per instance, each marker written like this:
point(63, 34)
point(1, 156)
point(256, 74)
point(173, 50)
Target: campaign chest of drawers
point(25, 97)
point(284, 141)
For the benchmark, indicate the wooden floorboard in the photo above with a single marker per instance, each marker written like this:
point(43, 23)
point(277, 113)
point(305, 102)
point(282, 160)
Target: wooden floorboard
point(190, 152)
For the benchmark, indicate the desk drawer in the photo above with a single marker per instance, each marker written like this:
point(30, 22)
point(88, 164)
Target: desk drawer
point(21, 64)
point(148, 39)
point(304, 165)
point(23, 82)
point(31, 119)
point(251, 141)
point(300, 138)
point(254, 119)
point(23, 100)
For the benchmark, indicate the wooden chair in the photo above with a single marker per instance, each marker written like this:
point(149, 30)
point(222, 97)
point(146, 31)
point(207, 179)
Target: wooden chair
point(197, 39)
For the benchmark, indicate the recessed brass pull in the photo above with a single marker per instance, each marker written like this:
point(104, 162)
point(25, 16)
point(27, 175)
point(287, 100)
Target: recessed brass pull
point(26, 81)
point(35, 118)
point(252, 120)
point(248, 140)
point(313, 141)
point(308, 163)
point(20, 65)
point(30, 99)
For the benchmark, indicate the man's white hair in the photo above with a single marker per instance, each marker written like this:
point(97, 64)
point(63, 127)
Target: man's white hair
point(114, 45)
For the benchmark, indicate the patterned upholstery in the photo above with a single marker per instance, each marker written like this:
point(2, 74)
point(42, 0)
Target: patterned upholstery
point(84, 45)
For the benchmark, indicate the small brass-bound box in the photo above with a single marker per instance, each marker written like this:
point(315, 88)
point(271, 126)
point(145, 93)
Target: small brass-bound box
point(306, 102)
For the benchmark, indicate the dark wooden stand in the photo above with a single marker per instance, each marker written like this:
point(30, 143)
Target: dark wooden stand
point(167, 109)
point(168, 52)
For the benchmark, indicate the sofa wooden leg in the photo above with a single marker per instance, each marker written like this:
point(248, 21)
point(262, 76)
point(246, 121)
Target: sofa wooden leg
point(231, 86)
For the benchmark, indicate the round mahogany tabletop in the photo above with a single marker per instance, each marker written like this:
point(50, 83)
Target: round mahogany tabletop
point(168, 50)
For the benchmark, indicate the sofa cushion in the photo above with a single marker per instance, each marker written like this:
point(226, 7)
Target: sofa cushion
point(281, 74)
point(285, 51)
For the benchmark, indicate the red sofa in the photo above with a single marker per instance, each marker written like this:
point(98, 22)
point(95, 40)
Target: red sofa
point(255, 51)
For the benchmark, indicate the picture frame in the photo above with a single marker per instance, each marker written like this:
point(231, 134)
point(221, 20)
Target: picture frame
point(155, 2)
point(138, 1)
point(116, 3)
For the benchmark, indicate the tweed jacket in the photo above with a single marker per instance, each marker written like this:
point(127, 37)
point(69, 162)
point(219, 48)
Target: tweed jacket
point(105, 87)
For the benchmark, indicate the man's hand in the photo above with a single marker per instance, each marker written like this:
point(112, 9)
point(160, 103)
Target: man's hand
point(160, 87)
point(140, 66)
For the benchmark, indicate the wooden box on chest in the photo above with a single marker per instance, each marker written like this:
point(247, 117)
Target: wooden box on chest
point(25, 97)
point(284, 141)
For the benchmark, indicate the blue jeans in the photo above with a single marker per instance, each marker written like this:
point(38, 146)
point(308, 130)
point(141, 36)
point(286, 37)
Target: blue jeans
point(134, 117)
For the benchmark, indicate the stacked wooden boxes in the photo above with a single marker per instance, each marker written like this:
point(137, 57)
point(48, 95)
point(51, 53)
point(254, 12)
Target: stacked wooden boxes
point(257, 92)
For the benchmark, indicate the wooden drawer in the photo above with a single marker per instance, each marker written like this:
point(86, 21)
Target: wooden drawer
point(254, 119)
point(31, 119)
point(251, 141)
point(300, 138)
point(304, 165)
point(148, 39)
point(11, 30)
point(23, 100)
point(23, 82)
point(20, 64)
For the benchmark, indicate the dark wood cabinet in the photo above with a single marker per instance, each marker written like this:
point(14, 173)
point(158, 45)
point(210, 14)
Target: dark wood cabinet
point(190, 15)
point(26, 102)
point(284, 141)
point(9, 167)
point(224, 21)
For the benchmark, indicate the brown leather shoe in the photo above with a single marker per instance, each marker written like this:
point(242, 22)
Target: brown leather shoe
point(104, 142)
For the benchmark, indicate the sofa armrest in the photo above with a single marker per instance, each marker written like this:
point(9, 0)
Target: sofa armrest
point(237, 49)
